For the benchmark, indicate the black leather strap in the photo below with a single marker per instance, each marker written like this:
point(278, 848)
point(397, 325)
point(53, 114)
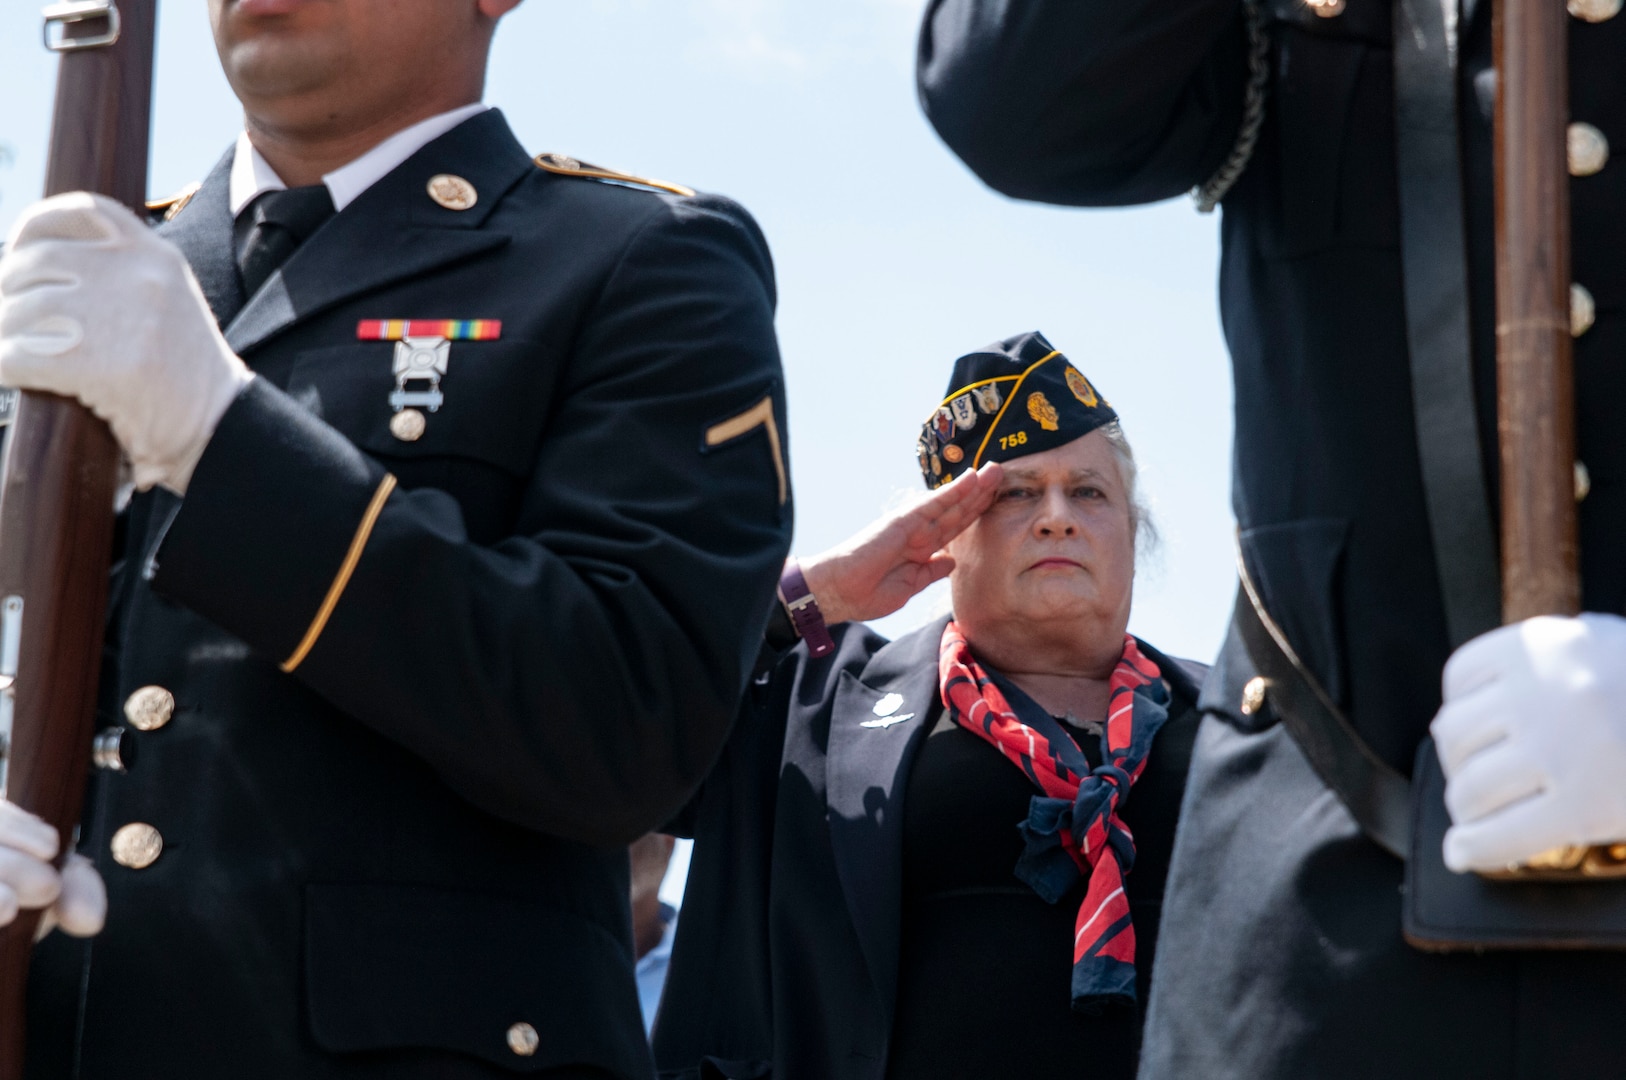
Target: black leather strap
point(1377, 796)
point(1433, 248)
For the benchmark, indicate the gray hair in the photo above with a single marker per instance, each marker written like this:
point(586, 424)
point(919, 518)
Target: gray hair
point(1141, 525)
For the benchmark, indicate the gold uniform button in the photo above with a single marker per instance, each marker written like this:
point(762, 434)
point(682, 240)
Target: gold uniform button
point(1583, 310)
point(452, 192)
point(523, 1039)
point(137, 845)
point(1588, 149)
point(1594, 11)
point(1253, 696)
point(1327, 9)
point(149, 708)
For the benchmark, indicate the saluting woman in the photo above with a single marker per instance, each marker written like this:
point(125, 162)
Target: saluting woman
point(944, 856)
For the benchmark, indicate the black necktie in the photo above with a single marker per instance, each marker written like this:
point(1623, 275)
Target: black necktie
point(273, 226)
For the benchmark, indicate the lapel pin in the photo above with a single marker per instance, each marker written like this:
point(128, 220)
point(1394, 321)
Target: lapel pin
point(423, 353)
point(452, 192)
point(884, 710)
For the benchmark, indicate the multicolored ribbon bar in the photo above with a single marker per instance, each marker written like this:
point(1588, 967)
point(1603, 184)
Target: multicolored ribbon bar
point(449, 329)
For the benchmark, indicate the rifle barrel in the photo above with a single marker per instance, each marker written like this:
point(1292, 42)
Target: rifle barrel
point(57, 480)
point(1534, 369)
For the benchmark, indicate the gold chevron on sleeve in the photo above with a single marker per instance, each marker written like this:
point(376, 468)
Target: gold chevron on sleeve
point(759, 415)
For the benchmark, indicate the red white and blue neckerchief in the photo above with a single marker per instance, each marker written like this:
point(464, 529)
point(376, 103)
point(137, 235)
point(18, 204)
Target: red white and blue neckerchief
point(1073, 829)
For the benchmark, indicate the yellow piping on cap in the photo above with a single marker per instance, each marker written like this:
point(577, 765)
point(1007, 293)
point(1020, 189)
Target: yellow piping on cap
point(972, 386)
point(976, 462)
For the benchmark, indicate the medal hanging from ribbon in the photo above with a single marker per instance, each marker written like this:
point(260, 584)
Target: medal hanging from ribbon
point(423, 350)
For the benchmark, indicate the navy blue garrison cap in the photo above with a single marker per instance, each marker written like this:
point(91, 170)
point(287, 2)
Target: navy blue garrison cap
point(1016, 397)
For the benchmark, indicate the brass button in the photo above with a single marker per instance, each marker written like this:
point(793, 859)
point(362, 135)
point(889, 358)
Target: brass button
point(1327, 9)
point(1583, 310)
point(149, 708)
point(1594, 11)
point(1588, 149)
point(452, 192)
point(408, 425)
point(1253, 696)
point(137, 845)
point(1583, 481)
point(523, 1040)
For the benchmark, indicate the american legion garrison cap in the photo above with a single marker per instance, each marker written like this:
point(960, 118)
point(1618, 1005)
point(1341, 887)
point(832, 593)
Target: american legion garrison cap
point(1016, 397)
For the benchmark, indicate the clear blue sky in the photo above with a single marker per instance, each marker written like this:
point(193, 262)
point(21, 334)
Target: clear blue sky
point(892, 258)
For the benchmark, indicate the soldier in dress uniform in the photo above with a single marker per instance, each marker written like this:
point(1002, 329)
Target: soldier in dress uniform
point(1350, 141)
point(461, 493)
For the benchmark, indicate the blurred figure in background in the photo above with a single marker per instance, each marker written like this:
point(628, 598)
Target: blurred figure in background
point(653, 919)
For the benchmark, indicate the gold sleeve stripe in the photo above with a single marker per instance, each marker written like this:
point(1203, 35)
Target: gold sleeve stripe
point(758, 415)
point(976, 462)
point(346, 568)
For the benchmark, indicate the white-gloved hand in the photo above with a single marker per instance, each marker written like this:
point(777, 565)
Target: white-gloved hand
point(95, 306)
point(1532, 739)
point(74, 899)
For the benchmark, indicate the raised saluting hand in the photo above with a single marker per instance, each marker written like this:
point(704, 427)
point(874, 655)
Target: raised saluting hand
point(876, 572)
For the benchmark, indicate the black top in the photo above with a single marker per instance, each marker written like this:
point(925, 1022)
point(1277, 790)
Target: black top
point(816, 927)
point(969, 924)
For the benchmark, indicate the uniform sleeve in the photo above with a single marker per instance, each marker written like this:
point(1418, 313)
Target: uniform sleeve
point(580, 676)
point(1085, 102)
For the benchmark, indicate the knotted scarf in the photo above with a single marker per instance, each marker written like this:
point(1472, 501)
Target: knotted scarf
point(1073, 829)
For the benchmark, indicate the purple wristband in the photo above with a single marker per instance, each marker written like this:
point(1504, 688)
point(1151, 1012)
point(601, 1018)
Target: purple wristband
point(803, 609)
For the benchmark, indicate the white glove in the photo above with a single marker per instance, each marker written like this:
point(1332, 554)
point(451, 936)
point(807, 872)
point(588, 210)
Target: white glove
point(1532, 739)
point(95, 306)
point(74, 899)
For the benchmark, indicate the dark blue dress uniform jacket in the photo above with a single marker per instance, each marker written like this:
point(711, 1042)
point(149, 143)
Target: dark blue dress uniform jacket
point(787, 952)
point(1282, 953)
point(378, 862)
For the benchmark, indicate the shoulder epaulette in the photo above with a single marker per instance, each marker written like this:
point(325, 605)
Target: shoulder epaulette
point(167, 208)
point(565, 165)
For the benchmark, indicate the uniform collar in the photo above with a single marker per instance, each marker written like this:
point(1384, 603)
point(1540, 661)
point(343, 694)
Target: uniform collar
point(252, 175)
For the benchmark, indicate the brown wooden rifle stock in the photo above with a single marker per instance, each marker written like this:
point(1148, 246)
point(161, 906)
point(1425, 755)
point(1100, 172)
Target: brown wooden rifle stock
point(1535, 376)
point(58, 476)
point(1534, 366)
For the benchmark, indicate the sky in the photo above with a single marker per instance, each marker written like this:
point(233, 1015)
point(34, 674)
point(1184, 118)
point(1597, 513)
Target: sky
point(892, 259)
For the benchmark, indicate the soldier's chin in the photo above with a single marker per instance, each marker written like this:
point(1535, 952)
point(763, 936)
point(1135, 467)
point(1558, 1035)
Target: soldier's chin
point(258, 8)
point(275, 67)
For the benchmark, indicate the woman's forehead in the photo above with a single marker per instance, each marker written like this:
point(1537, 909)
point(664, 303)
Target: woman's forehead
point(1087, 457)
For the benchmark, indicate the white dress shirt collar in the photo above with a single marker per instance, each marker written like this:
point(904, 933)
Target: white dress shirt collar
point(252, 175)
